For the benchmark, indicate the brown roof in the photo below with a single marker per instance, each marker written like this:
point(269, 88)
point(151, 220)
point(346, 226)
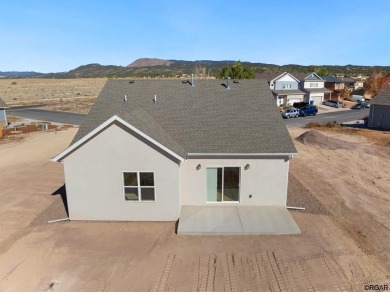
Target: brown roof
point(267, 76)
point(382, 98)
point(3, 104)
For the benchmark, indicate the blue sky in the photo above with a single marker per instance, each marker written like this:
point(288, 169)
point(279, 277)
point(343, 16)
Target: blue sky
point(54, 36)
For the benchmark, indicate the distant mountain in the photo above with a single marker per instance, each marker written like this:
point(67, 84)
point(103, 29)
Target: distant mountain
point(16, 74)
point(148, 62)
point(152, 67)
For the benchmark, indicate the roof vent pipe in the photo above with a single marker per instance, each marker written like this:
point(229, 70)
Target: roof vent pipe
point(125, 100)
point(155, 99)
point(192, 80)
point(228, 82)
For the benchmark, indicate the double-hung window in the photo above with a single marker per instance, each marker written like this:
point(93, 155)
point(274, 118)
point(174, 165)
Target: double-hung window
point(139, 186)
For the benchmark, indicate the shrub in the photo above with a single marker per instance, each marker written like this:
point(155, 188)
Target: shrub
point(13, 83)
point(322, 125)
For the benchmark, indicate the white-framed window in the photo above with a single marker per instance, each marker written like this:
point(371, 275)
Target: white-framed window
point(286, 86)
point(138, 186)
point(314, 84)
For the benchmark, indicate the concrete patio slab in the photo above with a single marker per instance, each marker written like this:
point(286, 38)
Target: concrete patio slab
point(211, 220)
point(267, 220)
point(235, 220)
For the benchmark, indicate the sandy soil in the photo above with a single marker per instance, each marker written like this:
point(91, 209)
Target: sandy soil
point(344, 242)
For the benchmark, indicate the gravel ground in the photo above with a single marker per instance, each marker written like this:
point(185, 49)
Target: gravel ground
point(56, 210)
point(299, 196)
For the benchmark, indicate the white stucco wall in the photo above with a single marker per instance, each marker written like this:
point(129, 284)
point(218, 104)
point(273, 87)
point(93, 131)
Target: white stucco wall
point(94, 181)
point(266, 180)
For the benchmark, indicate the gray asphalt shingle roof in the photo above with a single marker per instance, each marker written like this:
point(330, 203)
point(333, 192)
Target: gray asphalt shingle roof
point(289, 91)
point(205, 118)
point(318, 90)
point(383, 98)
point(3, 104)
point(331, 79)
point(307, 77)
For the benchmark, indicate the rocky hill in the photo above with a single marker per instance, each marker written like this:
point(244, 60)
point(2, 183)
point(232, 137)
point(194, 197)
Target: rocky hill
point(149, 62)
point(18, 74)
point(152, 68)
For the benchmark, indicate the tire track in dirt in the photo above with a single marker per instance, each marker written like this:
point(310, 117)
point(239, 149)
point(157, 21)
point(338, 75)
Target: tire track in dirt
point(327, 270)
point(205, 273)
point(162, 279)
point(228, 267)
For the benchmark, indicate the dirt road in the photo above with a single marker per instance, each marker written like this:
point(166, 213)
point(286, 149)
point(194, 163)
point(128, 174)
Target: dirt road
point(343, 246)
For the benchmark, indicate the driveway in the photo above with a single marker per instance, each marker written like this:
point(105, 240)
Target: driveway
point(34, 113)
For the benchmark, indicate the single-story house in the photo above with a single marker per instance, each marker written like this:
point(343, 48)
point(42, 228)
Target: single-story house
point(3, 114)
point(150, 148)
point(379, 116)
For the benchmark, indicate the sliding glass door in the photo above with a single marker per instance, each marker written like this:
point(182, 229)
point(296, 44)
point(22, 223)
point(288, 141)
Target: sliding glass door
point(223, 184)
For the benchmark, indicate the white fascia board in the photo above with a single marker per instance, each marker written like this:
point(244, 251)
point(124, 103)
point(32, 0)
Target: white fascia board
point(285, 73)
point(105, 124)
point(277, 77)
point(242, 154)
point(320, 79)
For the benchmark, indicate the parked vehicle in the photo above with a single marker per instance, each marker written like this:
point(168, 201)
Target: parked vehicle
point(332, 103)
point(290, 113)
point(301, 104)
point(358, 98)
point(310, 110)
point(361, 105)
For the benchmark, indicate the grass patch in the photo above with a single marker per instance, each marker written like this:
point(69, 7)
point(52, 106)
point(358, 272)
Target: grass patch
point(316, 125)
point(65, 108)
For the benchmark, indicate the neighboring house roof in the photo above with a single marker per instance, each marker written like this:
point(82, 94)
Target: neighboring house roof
point(308, 77)
point(267, 76)
point(202, 119)
point(331, 79)
point(291, 92)
point(383, 98)
point(3, 104)
point(318, 90)
point(283, 74)
point(348, 80)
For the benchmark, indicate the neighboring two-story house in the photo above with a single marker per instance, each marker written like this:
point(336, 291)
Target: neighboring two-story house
point(285, 88)
point(334, 84)
point(313, 86)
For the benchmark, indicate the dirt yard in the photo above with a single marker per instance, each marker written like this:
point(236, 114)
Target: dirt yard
point(343, 246)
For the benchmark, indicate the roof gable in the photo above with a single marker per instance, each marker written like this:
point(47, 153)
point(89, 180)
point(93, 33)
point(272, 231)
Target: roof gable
point(104, 126)
point(282, 77)
point(313, 76)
